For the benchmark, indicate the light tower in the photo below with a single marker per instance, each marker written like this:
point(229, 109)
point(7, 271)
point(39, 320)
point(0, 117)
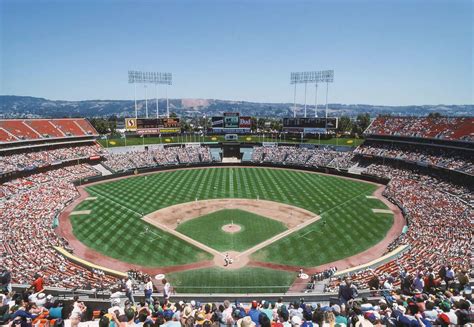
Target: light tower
point(316, 77)
point(146, 78)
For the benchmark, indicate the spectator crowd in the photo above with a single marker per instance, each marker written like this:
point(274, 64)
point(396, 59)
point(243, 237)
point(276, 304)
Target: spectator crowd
point(41, 157)
point(446, 128)
point(397, 307)
point(442, 157)
point(28, 209)
point(309, 157)
point(160, 156)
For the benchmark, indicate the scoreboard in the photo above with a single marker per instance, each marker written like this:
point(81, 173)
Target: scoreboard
point(153, 125)
point(309, 125)
point(231, 122)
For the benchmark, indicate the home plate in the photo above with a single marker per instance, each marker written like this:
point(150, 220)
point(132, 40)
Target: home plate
point(160, 276)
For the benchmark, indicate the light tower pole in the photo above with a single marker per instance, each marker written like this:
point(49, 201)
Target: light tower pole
point(150, 78)
point(146, 103)
point(316, 101)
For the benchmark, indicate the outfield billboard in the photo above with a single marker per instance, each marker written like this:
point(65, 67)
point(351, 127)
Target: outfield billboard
point(329, 123)
point(231, 122)
point(153, 125)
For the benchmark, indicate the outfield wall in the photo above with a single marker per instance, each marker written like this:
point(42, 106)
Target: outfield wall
point(324, 170)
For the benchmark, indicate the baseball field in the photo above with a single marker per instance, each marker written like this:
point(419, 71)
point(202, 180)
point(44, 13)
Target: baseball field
point(347, 220)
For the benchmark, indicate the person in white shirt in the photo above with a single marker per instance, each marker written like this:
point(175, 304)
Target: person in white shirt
point(129, 290)
point(149, 290)
point(166, 289)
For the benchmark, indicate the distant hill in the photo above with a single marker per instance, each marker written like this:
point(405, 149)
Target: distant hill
point(31, 107)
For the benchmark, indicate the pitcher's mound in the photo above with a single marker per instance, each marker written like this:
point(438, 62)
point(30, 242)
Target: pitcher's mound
point(231, 228)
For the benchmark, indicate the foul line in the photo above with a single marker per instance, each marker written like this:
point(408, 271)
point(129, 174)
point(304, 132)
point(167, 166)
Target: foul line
point(117, 203)
point(278, 237)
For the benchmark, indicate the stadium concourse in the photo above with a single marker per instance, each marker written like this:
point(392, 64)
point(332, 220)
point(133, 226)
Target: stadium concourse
point(428, 163)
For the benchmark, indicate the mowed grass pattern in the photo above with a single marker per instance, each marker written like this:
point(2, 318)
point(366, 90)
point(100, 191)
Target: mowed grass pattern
point(243, 280)
point(343, 231)
point(208, 229)
point(114, 226)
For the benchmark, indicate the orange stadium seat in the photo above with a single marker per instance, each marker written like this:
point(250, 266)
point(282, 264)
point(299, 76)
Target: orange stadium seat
point(18, 128)
point(44, 127)
point(69, 127)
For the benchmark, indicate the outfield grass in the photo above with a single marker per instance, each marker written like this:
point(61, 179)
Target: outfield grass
point(243, 280)
point(220, 138)
point(343, 231)
point(115, 229)
point(208, 229)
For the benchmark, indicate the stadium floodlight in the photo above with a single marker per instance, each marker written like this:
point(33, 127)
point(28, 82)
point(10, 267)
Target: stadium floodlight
point(322, 76)
point(140, 77)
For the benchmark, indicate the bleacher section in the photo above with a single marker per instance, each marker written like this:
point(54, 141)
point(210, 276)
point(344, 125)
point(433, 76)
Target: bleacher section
point(21, 130)
point(442, 128)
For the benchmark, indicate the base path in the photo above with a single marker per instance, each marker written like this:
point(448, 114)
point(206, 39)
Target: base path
point(289, 215)
point(293, 217)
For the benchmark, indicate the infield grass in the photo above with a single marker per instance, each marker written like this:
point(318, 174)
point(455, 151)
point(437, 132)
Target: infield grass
point(254, 229)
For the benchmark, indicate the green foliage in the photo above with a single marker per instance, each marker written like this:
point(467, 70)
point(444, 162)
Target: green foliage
point(344, 124)
point(361, 124)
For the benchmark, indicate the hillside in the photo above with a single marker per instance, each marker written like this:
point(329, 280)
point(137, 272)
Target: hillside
point(24, 106)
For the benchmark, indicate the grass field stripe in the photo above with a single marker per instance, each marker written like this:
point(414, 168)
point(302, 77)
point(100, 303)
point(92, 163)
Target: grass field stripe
point(117, 203)
point(341, 204)
point(182, 236)
point(278, 237)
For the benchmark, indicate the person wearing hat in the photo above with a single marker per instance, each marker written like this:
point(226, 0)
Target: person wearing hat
point(254, 312)
point(412, 317)
point(447, 313)
point(340, 319)
point(296, 321)
point(246, 322)
point(266, 310)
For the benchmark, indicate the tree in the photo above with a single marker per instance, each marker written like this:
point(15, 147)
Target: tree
point(254, 123)
point(361, 124)
point(363, 121)
point(101, 125)
point(261, 123)
point(434, 115)
point(344, 125)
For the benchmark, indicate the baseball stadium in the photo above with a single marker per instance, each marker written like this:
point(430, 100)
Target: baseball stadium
point(234, 217)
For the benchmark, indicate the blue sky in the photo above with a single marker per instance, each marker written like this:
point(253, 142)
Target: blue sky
point(383, 52)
